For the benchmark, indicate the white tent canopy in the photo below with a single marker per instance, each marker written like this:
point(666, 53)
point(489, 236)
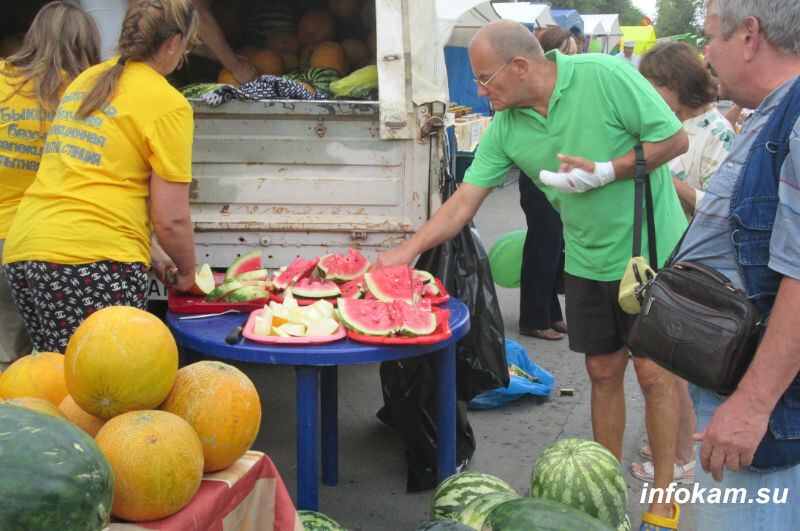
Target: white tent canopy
point(604, 27)
point(528, 13)
point(460, 20)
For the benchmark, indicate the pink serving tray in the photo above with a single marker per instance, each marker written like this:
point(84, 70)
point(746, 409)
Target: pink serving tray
point(441, 333)
point(247, 332)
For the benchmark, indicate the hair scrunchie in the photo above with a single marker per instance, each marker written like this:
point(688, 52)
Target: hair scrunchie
point(121, 61)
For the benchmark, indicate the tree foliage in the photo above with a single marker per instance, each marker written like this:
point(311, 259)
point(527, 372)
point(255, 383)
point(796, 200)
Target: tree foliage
point(675, 17)
point(628, 14)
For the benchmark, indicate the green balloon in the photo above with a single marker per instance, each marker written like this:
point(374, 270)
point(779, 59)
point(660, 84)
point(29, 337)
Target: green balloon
point(505, 258)
point(595, 46)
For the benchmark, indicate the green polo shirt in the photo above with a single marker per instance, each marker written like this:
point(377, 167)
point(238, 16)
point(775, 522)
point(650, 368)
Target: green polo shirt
point(600, 109)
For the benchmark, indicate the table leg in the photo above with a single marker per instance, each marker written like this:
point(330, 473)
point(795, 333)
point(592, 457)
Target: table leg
point(330, 432)
point(307, 437)
point(446, 413)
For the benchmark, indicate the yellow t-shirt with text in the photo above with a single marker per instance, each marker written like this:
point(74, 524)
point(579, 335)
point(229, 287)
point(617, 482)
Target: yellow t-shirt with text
point(90, 199)
point(23, 127)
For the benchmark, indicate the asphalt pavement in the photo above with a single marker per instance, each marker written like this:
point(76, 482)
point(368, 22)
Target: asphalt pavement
point(371, 494)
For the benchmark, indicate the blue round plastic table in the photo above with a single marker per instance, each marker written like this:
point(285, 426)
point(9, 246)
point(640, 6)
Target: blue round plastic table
point(315, 367)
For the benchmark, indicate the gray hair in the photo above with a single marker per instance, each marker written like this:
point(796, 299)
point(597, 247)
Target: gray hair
point(509, 39)
point(776, 18)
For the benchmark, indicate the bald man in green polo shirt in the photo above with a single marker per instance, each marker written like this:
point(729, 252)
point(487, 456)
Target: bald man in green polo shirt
point(571, 123)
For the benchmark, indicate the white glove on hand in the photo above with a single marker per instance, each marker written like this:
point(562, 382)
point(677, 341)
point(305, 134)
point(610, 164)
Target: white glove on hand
point(578, 180)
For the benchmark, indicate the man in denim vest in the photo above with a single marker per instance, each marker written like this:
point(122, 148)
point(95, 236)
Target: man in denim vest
point(748, 228)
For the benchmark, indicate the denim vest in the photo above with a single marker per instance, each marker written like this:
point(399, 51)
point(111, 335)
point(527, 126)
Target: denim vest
point(754, 204)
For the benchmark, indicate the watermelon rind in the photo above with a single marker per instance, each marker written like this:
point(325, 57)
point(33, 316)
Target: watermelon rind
point(295, 271)
point(247, 262)
point(256, 274)
point(229, 287)
point(315, 289)
point(247, 294)
point(455, 492)
point(584, 475)
point(443, 525)
point(314, 521)
point(423, 275)
point(535, 514)
point(54, 476)
point(478, 509)
point(366, 316)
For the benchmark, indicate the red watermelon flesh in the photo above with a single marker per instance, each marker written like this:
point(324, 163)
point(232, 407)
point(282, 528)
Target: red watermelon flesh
point(295, 271)
point(245, 263)
point(369, 317)
point(343, 267)
point(354, 289)
point(391, 283)
point(413, 320)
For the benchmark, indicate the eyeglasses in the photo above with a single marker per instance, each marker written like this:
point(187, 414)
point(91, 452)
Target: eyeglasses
point(485, 83)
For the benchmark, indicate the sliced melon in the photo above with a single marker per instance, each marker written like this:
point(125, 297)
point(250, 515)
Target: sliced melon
point(322, 327)
point(203, 280)
point(245, 263)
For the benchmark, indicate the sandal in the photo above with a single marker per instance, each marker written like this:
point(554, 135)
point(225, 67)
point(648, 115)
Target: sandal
point(548, 333)
point(645, 452)
point(653, 522)
point(682, 474)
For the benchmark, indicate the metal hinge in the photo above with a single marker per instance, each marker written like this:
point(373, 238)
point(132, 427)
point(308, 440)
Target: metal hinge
point(358, 235)
point(320, 128)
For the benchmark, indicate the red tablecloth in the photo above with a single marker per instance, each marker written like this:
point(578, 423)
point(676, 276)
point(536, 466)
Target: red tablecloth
point(249, 495)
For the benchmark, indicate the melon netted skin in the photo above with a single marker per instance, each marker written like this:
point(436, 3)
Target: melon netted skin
point(52, 474)
point(584, 475)
point(535, 514)
point(455, 492)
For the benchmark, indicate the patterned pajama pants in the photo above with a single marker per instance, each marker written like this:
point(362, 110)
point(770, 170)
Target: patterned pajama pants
point(54, 299)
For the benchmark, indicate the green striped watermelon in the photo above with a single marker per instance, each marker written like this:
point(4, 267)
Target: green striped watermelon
point(320, 77)
point(195, 90)
point(584, 475)
point(535, 514)
point(478, 509)
point(455, 492)
point(442, 525)
point(314, 521)
point(264, 17)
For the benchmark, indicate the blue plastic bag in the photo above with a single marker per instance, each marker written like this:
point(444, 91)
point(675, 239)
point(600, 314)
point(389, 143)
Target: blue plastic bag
point(517, 385)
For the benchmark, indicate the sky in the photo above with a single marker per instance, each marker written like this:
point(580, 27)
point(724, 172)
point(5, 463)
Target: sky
point(648, 7)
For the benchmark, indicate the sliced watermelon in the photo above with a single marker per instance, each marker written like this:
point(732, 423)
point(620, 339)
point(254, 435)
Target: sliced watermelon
point(423, 275)
point(295, 271)
point(343, 266)
point(354, 289)
point(413, 321)
point(430, 289)
point(369, 317)
point(247, 262)
point(227, 288)
point(315, 288)
point(391, 283)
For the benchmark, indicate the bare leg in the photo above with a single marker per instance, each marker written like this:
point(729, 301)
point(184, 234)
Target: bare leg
point(687, 424)
point(661, 419)
point(607, 373)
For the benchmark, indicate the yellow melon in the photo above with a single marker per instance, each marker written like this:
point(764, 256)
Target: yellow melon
point(357, 52)
point(315, 26)
point(38, 375)
point(267, 62)
point(157, 461)
point(225, 76)
point(221, 403)
point(283, 41)
point(345, 9)
point(85, 421)
point(330, 54)
point(120, 359)
point(37, 404)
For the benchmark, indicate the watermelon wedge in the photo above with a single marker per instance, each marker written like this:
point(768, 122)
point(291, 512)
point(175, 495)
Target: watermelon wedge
point(295, 271)
point(413, 321)
point(247, 262)
point(369, 317)
point(354, 289)
point(391, 283)
point(343, 266)
point(315, 288)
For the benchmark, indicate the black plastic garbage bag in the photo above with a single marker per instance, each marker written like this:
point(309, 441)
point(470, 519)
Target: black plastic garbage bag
point(409, 386)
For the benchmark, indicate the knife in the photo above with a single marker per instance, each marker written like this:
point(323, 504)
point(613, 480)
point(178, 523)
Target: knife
point(235, 335)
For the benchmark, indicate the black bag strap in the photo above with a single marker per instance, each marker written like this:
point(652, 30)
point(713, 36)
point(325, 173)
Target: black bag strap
point(643, 191)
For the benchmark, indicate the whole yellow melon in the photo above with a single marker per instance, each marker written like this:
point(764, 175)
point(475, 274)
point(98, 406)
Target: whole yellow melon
point(85, 421)
point(38, 375)
point(120, 359)
point(37, 404)
point(221, 403)
point(157, 461)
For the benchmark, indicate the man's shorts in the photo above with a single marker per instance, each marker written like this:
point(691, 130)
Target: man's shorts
point(597, 324)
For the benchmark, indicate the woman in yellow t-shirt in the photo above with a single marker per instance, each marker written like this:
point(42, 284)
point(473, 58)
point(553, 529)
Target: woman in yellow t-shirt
point(61, 42)
point(116, 168)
